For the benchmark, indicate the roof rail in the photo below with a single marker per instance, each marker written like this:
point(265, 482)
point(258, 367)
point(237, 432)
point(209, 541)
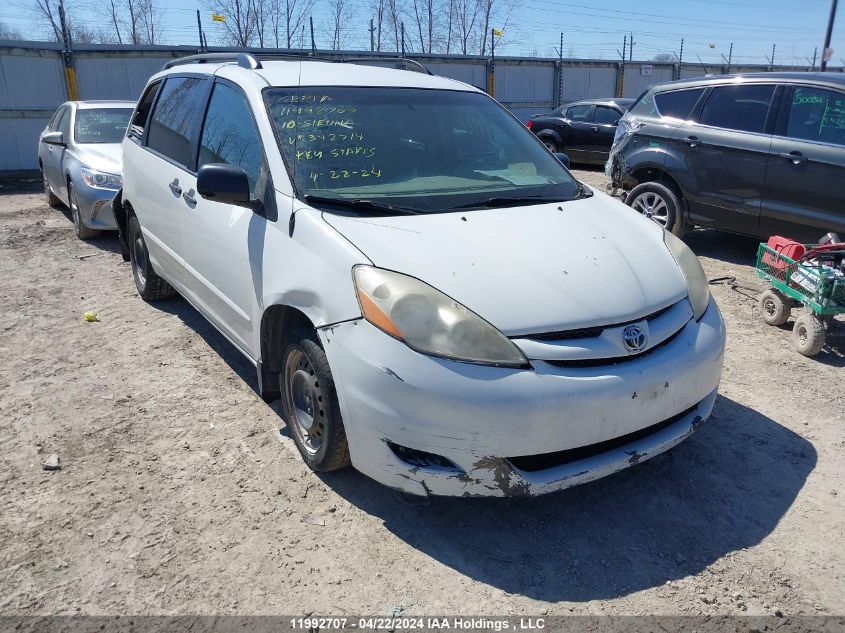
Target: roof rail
point(245, 60)
point(252, 61)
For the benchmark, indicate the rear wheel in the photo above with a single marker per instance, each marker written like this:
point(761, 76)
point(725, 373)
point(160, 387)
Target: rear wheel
point(774, 307)
point(82, 231)
point(808, 334)
point(309, 403)
point(551, 145)
point(660, 204)
point(150, 286)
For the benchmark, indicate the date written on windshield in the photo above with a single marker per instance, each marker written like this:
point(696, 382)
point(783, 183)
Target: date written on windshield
point(341, 174)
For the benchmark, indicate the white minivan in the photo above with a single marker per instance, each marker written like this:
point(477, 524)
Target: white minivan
point(434, 297)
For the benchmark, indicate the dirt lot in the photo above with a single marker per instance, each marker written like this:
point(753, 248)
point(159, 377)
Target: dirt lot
point(177, 493)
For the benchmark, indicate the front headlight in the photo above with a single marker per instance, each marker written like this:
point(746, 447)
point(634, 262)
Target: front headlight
point(697, 286)
point(101, 179)
point(430, 322)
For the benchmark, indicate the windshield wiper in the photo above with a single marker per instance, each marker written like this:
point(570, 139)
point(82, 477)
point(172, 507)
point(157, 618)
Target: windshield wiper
point(509, 202)
point(359, 204)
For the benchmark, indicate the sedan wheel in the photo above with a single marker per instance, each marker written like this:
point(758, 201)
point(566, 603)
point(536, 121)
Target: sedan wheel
point(652, 206)
point(82, 231)
point(52, 199)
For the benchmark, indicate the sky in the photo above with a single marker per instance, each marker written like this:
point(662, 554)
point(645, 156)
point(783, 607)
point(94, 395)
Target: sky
point(591, 29)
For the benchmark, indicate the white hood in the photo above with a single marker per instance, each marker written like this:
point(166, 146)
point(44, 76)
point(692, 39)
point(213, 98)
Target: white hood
point(105, 157)
point(531, 269)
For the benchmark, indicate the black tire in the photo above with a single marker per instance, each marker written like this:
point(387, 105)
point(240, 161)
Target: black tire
point(660, 203)
point(52, 199)
point(808, 334)
point(774, 307)
point(309, 403)
point(150, 286)
point(82, 232)
point(551, 144)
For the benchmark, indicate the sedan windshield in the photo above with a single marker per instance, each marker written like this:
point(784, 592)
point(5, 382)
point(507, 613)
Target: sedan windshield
point(424, 150)
point(101, 125)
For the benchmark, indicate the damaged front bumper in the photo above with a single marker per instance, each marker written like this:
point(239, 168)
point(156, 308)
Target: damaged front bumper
point(426, 425)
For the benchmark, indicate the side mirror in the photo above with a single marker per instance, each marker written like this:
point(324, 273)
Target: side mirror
point(224, 183)
point(54, 138)
point(563, 158)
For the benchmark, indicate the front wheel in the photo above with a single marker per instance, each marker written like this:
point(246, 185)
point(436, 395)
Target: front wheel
point(150, 286)
point(774, 307)
point(551, 145)
point(82, 232)
point(659, 204)
point(52, 199)
point(309, 403)
point(808, 334)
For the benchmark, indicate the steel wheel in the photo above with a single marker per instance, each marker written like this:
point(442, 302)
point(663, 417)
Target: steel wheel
point(305, 398)
point(74, 208)
point(652, 206)
point(139, 260)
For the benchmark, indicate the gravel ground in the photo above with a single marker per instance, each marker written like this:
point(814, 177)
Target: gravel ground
point(178, 495)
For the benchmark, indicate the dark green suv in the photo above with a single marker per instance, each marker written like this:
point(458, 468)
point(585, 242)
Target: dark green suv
point(758, 154)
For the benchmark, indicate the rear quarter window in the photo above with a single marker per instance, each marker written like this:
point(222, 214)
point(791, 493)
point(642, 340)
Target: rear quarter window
point(678, 103)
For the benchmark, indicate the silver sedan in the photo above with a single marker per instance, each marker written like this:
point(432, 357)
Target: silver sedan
point(80, 160)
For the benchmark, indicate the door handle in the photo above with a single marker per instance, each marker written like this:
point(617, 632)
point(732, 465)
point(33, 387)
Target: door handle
point(796, 157)
point(692, 141)
point(175, 189)
point(595, 128)
point(189, 198)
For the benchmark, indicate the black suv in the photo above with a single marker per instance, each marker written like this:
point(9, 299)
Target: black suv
point(583, 129)
point(758, 154)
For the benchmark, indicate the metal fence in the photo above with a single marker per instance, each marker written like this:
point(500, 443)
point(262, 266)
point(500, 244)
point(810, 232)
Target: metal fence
point(33, 82)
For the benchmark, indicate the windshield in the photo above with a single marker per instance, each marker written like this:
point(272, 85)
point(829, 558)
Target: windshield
point(425, 150)
point(101, 125)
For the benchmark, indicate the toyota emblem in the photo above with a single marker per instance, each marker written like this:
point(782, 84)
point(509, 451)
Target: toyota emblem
point(633, 338)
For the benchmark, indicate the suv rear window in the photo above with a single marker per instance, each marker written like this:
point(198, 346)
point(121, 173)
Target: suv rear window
point(679, 103)
point(741, 108)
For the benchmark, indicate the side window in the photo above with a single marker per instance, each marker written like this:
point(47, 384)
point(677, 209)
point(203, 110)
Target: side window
point(142, 111)
point(579, 113)
point(229, 134)
point(606, 116)
point(174, 120)
point(816, 114)
point(679, 103)
point(53, 125)
point(64, 124)
point(741, 108)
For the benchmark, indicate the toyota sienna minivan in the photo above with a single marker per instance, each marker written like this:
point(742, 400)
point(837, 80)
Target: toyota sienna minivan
point(436, 300)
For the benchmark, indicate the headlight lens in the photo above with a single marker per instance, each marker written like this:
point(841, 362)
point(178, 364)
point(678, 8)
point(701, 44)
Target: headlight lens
point(101, 179)
point(430, 322)
point(697, 286)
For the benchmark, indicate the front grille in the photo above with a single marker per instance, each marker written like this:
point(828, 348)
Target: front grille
point(589, 332)
point(533, 463)
point(616, 360)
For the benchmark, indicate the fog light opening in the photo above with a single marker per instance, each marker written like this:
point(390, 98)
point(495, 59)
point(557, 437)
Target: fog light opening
point(421, 459)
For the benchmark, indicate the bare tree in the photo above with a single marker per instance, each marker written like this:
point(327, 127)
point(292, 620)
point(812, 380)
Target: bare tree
point(133, 18)
point(424, 21)
point(287, 18)
point(340, 15)
point(149, 19)
point(664, 58)
point(466, 18)
point(240, 25)
point(113, 11)
point(260, 10)
point(377, 8)
point(8, 33)
point(49, 10)
point(394, 20)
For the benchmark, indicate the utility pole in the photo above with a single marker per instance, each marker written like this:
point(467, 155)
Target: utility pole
point(729, 58)
point(772, 60)
point(631, 54)
point(313, 43)
point(560, 72)
point(403, 39)
point(620, 90)
point(372, 36)
point(827, 52)
point(815, 54)
point(199, 29)
point(67, 55)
